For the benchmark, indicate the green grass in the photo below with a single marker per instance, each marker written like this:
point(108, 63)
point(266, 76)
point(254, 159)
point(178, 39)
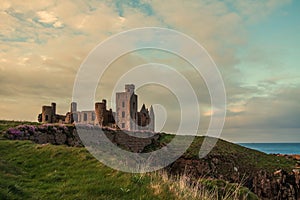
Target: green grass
point(31, 171)
point(244, 158)
point(6, 124)
point(205, 189)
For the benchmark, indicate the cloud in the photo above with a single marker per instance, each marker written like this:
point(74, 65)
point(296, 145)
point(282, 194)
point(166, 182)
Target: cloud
point(46, 17)
point(278, 109)
point(43, 44)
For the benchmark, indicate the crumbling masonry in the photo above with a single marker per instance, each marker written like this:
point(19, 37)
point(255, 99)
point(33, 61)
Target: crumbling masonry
point(126, 116)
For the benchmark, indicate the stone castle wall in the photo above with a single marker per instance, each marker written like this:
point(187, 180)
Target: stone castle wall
point(126, 116)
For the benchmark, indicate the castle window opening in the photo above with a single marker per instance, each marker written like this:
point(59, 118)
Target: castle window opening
point(47, 118)
point(84, 117)
point(123, 104)
point(123, 114)
point(123, 125)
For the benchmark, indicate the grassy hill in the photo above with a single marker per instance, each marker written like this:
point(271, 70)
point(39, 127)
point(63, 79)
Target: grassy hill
point(31, 171)
point(35, 171)
point(244, 158)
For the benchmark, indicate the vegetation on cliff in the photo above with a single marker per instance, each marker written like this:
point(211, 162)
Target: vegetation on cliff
point(37, 171)
point(67, 172)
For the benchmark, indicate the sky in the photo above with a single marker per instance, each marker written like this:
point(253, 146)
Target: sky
point(255, 45)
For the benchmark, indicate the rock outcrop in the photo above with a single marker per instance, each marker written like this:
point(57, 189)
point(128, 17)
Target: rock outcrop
point(279, 185)
point(42, 134)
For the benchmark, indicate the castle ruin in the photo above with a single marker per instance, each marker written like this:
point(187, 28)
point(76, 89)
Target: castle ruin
point(49, 115)
point(126, 116)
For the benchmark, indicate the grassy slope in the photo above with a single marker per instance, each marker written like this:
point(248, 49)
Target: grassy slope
point(31, 171)
point(248, 159)
point(244, 157)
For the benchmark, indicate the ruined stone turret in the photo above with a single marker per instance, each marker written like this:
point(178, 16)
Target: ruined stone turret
point(127, 116)
point(49, 115)
point(100, 108)
point(152, 119)
point(73, 107)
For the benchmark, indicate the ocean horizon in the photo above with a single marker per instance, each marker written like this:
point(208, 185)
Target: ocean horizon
point(274, 148)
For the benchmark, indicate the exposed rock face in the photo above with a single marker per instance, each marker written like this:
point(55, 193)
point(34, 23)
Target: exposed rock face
point(280, 185)
point(66, 134)
point(134, 144)
point(53, 134)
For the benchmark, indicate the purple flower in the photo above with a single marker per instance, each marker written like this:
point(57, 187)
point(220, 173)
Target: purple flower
point(31, 128)
point(14, 131)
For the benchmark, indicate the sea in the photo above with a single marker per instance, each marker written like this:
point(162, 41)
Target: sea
point(274, 148)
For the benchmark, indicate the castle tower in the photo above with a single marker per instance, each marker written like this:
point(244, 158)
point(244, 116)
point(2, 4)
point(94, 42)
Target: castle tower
point(126, 108)
point(152, 119)
point(73, 107)
point(48, 113)
point(129, 88)
point(100, 109)
point(53, 108)
point(73, 114)
point(143, 118)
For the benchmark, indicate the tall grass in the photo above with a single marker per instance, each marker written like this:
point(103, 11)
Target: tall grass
point(182, 187)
